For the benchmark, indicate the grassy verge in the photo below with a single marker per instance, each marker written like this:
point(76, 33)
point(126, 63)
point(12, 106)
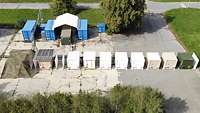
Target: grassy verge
point(94, 16)
point(10, 16)
point(176, 0)
point(20, 1)
point(185, 23)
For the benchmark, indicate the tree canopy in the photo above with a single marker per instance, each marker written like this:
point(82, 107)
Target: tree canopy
point(119, 14)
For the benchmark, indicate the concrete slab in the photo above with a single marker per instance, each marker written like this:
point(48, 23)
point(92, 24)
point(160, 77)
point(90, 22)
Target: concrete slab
point(58, 85)
point(8, 86)
point(2, 64)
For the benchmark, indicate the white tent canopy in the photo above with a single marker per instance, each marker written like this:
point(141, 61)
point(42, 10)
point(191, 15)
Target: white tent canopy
point(73, 60)
point(66, 19)
point(105, 60)
point(89, 58)
point(137, 60)
point(169, 60)
point(121, 60)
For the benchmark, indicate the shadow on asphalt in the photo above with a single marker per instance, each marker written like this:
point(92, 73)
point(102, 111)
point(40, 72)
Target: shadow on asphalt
point(175, 105)
point(6, 32)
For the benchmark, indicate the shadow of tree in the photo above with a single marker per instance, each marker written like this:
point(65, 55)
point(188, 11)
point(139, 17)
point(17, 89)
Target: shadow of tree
point(175, 105)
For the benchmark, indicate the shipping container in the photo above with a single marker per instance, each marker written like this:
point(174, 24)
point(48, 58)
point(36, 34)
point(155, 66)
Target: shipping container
point(83, 29)
point(101, 27)
point(49, 30)
point(73, 60)
point(28, 30)
point(89, 59)
point(137, 60)
point(105, 60)
point(121, 60)
point(153, 60)
point(185, 61)
point(169, 60)
point(196, 59)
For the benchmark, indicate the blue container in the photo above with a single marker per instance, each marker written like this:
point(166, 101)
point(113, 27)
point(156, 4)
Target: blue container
point(49, 31)
point(28, 30)
point(101, 27)
point(83, 29)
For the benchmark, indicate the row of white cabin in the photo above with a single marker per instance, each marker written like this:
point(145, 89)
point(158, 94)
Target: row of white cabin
point(168, 60)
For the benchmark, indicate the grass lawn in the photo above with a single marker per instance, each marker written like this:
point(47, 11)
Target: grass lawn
point(16, 1)
point(10, 16)
point(176, 0)
point(94, 16)
point(185, 23)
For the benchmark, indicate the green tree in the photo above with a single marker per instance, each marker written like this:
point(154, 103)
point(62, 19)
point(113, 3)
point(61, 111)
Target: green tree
point(119, 14)
point(63, 6)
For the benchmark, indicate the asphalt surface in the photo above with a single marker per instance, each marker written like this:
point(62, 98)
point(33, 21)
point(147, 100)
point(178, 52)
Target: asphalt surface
point(153, 7)
point(181, 87)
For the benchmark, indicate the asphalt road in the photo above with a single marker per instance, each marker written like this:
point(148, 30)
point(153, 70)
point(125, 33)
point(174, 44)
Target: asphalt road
point(153, 7)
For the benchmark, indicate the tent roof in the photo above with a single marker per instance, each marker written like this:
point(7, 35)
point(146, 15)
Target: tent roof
point(137, 56)
point(121, 56)
point(66, 19)
point(153, 56)
point(169, 56)
point(73, 55)
point(105, 55)
point(89, 55)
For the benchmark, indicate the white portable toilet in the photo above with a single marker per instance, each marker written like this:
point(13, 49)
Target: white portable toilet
point(89, 59)
point(169, 60)
point(105, 60)
point(121, 60)
point(137, 60)
point(153, 60)
point(73, 60)
point(196, 60)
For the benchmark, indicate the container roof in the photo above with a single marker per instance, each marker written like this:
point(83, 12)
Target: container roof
point(83, 24)
point(169, 56)
point(137, 56)
point(89, 55)
point(121, 56)
point(73, 55)
point(153, 56)
point(66, 19)
point(185, 56)
point(105, 55)
point(49, 25)
point(29, 25)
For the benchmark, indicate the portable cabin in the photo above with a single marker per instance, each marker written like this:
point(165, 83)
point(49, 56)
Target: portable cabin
point(185, 61)
point(44, 57)
point(49, 30)
point(28, 30)
point(89, 58)
point(137, 60)
point(83, 29)
point(169, 60)
point(196, 59)
point(101, 27)
point(153, 60)
point(121, 60)
point(73, 60)
point(105, 60)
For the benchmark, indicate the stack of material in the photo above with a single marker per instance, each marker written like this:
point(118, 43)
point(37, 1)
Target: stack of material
point(137, 60)
point(105, 60)
point(153, 60)
point(121, 60)
point(73, 60)
point(19, 65)
point(169, 60)
point(89, 59)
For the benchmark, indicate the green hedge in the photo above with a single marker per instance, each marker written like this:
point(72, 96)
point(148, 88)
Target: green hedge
point(118, 100)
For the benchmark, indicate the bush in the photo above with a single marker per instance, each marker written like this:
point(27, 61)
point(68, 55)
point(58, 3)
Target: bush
point(118, 100)
point(20, 24)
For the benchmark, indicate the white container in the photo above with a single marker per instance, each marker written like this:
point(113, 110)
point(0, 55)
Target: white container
point(169, 60)
point(121, 60)
point(153, 60)
point(105, 60)
point(196, 60)
point(137, 60)
point(73, 60)
point(89, 59)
